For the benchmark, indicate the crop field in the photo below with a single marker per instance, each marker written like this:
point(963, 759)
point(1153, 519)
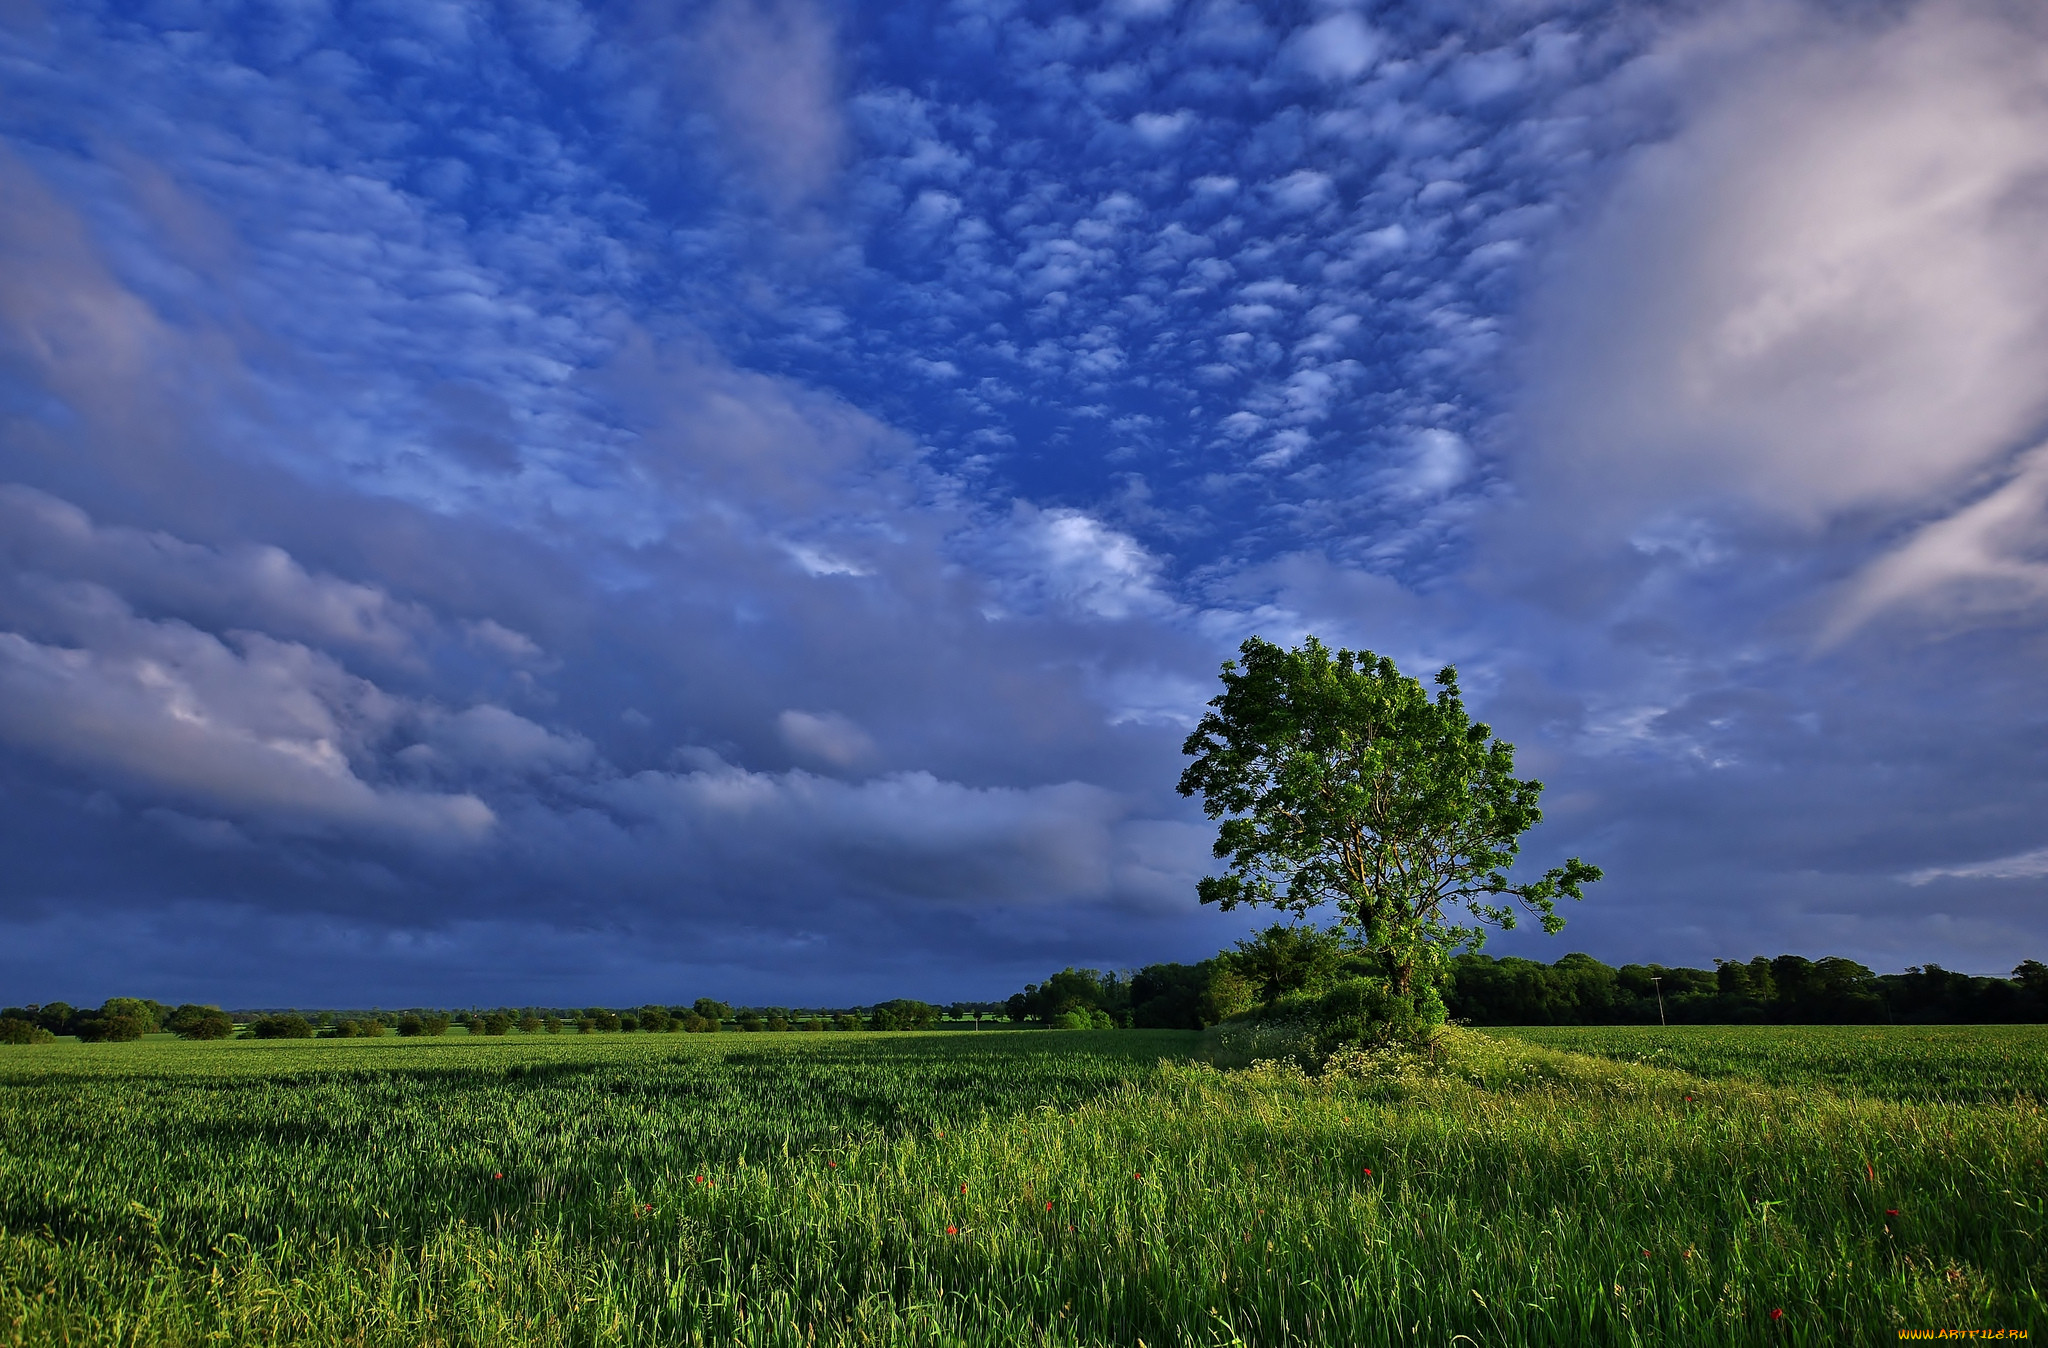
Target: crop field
point(1011, 1188)
point(1893, 1062)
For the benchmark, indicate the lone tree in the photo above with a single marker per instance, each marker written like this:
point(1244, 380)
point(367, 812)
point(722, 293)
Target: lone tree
point(1339, 780)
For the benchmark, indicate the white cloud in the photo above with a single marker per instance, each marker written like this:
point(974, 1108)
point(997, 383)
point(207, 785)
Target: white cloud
point(2022, 866)
point(1302, 191)
point(261, 730)
point(1980, 563)
point(1159, 128)
point(1827, 295)
point(247, 584)
point(1340, 47)
point(1070, 559)
point(825, 736)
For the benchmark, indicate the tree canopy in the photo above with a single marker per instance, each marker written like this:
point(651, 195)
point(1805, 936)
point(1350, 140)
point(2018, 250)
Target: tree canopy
point(1340, 780)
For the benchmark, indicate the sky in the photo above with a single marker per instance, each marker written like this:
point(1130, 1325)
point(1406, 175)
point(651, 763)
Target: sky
point(539, 503)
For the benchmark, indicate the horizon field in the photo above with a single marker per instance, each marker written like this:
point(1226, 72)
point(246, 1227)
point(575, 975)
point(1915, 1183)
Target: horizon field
point(893, 1187)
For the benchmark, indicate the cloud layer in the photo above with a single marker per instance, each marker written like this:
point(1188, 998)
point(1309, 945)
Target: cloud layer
point(547, 503)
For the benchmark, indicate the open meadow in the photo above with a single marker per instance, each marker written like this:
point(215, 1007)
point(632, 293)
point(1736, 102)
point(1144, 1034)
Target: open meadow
point(1023, 1187)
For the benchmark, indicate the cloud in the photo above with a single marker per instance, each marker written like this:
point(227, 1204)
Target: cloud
point(1821, 302)
point(1979, 564)
point(1068, 559)
point(255, 585)
point(2022, 866)
point(260, 729)
point(1340, 47)
point(826, 737)
point(772, 68)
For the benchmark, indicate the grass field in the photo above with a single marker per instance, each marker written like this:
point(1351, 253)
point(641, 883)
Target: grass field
point(1892, 1062)
point(1016, 1188)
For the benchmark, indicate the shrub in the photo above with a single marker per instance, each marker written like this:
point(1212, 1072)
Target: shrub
point(414, 1023)
point(192, 1021)
point(629, 1024)
point(497, 1022)
point(552, 1024)
point(846, 1021)
point(281, 1027)
point(15, 1030)
point(696, 1024)
point(1310, 1028)
point(110, 1029)
point(530, 1024)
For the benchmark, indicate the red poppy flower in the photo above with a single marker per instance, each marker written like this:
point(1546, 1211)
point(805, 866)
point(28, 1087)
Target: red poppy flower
point(1777, 1315)
point(498, 1175)
point(1048, 1207)
point(1891, 1212)
point(833, 1164)
point(952, 1230)
point(1368, 1170)
point(963, 1188)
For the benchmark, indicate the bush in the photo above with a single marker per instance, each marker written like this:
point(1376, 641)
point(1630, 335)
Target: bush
point(281, 1027)
point(1309, 1028)
point(530, 1024)
point(552, 1024)
point(15, 1030)
point(110, 1029)
point(415, 1023)
point(846, 1021)
point(497, 1022)
point(192, 1021)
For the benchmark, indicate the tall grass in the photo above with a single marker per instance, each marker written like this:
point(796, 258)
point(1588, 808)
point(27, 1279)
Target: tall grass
point(1013, 1188)
point(1898, 1062)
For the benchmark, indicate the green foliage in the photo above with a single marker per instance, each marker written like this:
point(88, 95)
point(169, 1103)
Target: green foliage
point(429, 1024)
point(1580, 990)
point(1954, 1063)
point(193, 1021)
point(144, 1012)
point(102, 1029)
point(280, 1027)
point(1339, 780)
point(903, 1014)
point(799, 1189)
point(16, 1030)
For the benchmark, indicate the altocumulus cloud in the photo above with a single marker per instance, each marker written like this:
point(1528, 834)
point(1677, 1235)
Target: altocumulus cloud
point(570, 502)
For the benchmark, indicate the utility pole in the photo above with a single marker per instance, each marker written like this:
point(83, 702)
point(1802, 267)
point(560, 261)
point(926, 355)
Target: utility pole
point(1657, 982)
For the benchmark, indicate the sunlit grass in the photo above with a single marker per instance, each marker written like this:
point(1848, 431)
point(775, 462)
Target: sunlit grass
point(1012, 1188)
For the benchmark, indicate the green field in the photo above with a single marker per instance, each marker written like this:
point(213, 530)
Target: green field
point(1893, 1062)
point(1016, 1188)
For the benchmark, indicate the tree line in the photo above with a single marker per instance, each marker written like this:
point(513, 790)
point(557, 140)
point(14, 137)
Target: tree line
point(1576, 990)
point(123, 1019)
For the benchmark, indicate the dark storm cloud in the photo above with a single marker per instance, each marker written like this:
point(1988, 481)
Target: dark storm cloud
point(552, 504)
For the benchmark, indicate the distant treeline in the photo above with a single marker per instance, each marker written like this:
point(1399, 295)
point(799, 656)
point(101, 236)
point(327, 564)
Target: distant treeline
point(1576, 990)
point(128, 1018)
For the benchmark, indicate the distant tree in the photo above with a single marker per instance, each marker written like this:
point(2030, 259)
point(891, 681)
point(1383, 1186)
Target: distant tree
point(1339, 780)
point(846, 1020)
point(552, 1024)
point(192, 1021)
point(712, 1010)
point(281, 1027)
point(148, 1014)
point(21, 1030)
point(56, 1017)
point(411, 1025)
point(99, 1029)
point(902, 1014)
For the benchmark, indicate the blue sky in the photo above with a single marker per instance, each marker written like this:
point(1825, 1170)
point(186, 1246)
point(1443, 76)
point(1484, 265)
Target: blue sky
point(529, 502)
